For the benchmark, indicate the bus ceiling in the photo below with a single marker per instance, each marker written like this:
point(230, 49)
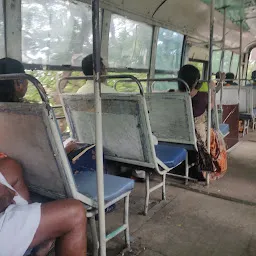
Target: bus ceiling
point(192, 17)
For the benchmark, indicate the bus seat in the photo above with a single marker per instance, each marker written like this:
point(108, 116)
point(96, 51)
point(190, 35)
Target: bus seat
point(169, 155)
point(171, 119)
point(114, 186)
point(127, 136)
point(29, 133)
point(224, 129)
point(244, 99)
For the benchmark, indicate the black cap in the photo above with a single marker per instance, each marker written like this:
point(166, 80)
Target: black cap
point(11, 66)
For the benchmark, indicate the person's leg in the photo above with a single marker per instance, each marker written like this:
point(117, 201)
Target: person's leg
point(66, 221)
point(12, 171)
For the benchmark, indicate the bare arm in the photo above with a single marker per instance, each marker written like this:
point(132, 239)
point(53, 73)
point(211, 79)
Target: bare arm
point(6, 197)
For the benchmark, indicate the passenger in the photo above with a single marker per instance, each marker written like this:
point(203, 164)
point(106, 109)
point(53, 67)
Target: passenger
point(15, 90)
point(230, 79)
point(253, 82)
point(215, 163)
point(254, 78)
point(25, 225)
point(220, 76)
point(87, 67)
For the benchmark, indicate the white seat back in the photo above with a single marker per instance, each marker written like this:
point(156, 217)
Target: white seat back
point(29, 134)
point(171, 118)
point(126, 132)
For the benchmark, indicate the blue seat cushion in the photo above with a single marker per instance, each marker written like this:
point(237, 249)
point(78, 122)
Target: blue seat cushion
point(224, 129)
point(245, 116)
point(114, 186)
point(170, 155)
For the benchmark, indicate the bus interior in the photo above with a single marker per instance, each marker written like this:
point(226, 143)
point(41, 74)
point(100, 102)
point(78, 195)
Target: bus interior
point(143, 45)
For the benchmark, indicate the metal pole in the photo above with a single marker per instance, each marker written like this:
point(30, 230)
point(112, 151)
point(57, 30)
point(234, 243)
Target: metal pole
point(240, 56)
point(222, 59)
point(98, 118)
point(209, 80)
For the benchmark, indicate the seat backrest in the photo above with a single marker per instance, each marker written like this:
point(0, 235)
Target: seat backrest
point(171, 118)
point(29, 134)
point(229, 95)
point(126, 131)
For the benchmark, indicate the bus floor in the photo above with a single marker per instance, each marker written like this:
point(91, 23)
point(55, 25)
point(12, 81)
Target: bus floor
point(187, 223)
point(239, 183)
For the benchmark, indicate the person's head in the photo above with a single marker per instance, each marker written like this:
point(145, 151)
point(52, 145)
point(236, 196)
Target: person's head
point(230, 77)
point(12, 90)
point(254, 76)
point(87, 66)
point(191, 75)
point(217, 75)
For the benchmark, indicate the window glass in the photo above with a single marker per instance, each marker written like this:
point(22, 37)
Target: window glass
point(199, 65)
point(169, 50)
point(55, 32)
point(252, 63)
point(2, 41)
point(122, 86)
point(227, 59)
point(164, 86)
point(234, 64)
point(129, 43)
point(216, 56)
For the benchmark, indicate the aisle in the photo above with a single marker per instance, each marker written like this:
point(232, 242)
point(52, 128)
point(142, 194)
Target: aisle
point(239, 183)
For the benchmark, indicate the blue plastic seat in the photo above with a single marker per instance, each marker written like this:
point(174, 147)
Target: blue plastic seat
point(171, 156)
point(224, 129)
point(245, 116)
point(114, 186)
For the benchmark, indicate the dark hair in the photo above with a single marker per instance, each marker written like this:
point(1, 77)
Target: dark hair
point(87, 65)
point(190, 74)
point(230, 76)
point(217, 75)
point(254, 75)
point(7, 88)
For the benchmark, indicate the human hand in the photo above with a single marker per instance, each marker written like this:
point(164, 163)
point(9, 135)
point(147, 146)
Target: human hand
point(222, 76)
point(70, 146)
point(6, 197)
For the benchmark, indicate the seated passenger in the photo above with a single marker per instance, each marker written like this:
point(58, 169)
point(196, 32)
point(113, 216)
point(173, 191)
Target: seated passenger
point(220, 76)
point(26, 225)
point(214, 163)
point(14, 91)
point(253, 77)
point(87, 67)
point(230, 79)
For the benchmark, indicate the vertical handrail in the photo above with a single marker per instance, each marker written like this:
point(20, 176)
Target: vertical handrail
point(240, 56)
point(222, 58)
point(98, 119)
point(212, 9)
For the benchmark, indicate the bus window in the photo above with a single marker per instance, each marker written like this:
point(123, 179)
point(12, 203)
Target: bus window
point(129, 43)
point(2, 41)
point(234, 64)
point(43, 42)
point(169, 49)
point(216, 56)
point(126, 86)
point(252, 63)
point(227, 59)
point(164, 86)
point(199, 65)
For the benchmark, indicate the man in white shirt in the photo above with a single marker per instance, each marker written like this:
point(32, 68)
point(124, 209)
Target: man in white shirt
point(88, 87)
